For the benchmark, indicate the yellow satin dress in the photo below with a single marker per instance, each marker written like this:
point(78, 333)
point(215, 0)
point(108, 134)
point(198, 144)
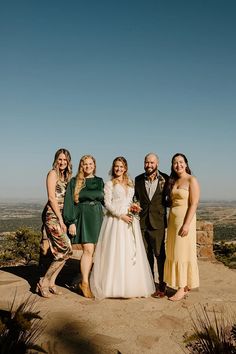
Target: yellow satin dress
point(181, 267)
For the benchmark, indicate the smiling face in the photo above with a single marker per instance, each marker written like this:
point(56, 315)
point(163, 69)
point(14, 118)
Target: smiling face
point(179, 165)
point(62, 162)
point(150, 164)
point(119, 169)
point(88, 167)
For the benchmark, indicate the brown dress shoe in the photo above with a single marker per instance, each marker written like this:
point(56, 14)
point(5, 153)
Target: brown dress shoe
point(159, 294)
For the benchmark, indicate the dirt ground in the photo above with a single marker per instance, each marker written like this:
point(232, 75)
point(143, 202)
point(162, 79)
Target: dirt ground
point(73, 324)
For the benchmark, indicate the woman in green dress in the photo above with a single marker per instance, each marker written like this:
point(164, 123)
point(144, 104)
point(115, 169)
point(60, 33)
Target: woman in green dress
point(83, 214)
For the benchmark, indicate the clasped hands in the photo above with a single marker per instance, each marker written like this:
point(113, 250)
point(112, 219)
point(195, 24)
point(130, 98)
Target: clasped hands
point(126, 218)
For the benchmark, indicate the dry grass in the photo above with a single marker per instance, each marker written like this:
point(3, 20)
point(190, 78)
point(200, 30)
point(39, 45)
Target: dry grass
point(20, 328)
point(213, 332)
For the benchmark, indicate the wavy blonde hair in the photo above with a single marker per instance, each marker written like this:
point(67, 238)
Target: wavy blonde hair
point(80, 179)
point(127, 180)
point(68, 171)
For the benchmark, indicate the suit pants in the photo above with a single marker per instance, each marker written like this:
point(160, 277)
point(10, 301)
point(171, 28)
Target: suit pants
point(154, 242)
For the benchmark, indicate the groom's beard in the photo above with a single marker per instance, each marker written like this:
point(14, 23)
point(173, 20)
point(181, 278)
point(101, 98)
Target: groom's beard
point(150, 171)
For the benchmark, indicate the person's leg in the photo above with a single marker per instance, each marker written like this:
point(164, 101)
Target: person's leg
point(148, 244)
point(73, 281)
point(46, 282)
point(180, 294)
point(160, 266)
point(86, 262)
point(52, 286)
point(159, 250)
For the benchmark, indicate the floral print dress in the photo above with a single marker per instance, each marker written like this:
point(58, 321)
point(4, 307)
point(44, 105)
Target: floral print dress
point(59, 242)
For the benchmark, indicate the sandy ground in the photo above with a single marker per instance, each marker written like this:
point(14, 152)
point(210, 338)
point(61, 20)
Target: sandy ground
point(74, 324)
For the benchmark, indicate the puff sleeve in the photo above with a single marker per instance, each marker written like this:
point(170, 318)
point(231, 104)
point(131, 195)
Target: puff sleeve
point(114, 207)
point(69, 208)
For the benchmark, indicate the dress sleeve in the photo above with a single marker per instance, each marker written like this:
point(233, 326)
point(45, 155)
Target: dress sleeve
point(69, 208)
point(102, 192)
point(108, 196)
point(131, 195)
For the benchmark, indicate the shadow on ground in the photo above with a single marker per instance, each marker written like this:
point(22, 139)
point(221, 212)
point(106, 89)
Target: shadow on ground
point(69, 275)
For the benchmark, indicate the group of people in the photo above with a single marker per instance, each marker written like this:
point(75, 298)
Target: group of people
point(122, 225)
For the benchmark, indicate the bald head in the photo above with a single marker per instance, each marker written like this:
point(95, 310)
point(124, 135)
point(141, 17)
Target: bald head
point(151, 155)
point(151, 162)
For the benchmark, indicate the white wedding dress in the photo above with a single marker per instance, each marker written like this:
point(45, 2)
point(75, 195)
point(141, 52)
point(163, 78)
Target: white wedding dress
point(121, 268)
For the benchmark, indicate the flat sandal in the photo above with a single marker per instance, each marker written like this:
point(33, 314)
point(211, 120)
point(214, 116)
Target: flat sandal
point(53, 289)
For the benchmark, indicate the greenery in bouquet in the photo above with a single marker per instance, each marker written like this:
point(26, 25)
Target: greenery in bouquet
point(134, 210)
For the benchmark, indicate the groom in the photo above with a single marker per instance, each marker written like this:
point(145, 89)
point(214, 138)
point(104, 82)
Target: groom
point(150, 190)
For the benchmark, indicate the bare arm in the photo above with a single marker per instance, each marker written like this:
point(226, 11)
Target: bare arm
point(51, 187)
point(194, 194)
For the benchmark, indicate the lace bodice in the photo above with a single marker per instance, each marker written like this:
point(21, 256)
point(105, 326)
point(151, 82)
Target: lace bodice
point(117, 198)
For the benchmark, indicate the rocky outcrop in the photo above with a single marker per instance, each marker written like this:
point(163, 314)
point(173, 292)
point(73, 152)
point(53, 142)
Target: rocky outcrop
point(205, 235)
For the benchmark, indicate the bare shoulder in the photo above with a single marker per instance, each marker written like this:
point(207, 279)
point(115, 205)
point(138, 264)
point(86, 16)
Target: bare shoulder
point(192, 179)
point(52, 175)
point(193, 182)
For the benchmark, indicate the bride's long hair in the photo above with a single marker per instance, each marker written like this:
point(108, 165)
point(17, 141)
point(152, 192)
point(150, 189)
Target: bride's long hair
point(126, 179)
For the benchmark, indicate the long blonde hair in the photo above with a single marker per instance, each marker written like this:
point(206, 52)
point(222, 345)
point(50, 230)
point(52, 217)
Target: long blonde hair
point(126, 179)
point(68, 171)
point(80, 179)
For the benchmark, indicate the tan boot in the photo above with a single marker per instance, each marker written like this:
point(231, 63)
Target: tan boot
point(86, 290)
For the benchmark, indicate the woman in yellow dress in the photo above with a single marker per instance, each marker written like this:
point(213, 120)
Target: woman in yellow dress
point(181, 268)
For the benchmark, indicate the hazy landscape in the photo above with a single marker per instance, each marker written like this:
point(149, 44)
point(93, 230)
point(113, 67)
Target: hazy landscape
point(19, 214)
point(222, 214)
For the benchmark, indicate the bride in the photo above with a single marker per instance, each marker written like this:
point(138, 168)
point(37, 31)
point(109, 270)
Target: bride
point(121, 268)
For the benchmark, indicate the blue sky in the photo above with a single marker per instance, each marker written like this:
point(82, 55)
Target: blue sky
point(112, 78)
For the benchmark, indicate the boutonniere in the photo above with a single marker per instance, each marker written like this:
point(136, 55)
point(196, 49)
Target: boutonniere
point(161, 183)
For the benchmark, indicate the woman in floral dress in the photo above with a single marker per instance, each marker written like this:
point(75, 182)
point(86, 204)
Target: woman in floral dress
point(53, 224)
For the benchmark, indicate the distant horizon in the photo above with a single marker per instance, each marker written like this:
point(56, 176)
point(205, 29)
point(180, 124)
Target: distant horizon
point(43, 200)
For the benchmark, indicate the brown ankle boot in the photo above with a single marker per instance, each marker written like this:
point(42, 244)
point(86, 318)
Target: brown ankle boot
point(86, 290)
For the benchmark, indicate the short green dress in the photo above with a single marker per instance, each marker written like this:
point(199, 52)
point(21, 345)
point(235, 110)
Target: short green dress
point(87, 215)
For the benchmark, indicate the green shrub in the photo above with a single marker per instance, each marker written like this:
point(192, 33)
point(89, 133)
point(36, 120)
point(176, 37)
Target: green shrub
point(27, 242)
point(225, 253)
point(23, 246)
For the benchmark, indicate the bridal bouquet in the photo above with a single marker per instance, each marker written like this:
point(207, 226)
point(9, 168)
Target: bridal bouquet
point(134, 210)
